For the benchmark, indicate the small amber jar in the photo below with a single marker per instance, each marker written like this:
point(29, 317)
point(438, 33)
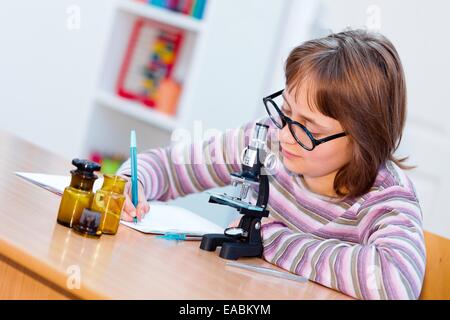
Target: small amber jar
point(109, 200)
point(78, 195)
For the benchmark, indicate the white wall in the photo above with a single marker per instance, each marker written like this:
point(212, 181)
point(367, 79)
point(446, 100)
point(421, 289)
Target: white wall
point(302, 22)
point(48, 71)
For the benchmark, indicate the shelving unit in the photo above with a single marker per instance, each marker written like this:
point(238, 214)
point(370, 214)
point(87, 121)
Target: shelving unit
point(135, 110)
point(162, 15)
point(109, 108)
point(223, 67)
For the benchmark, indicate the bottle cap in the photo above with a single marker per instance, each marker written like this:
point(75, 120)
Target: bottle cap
point(86, 168)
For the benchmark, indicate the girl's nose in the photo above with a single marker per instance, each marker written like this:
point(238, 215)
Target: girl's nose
point(285, 135)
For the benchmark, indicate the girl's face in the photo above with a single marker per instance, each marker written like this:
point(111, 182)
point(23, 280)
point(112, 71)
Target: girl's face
point(325, 158)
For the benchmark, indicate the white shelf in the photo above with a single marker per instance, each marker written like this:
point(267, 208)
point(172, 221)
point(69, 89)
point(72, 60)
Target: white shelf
point(136, 110)
point(162, 15)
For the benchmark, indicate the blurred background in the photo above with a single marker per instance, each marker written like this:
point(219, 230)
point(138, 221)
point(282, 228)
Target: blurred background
point(72, 82)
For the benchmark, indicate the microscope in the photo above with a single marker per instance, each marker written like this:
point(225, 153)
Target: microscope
point(245, 240)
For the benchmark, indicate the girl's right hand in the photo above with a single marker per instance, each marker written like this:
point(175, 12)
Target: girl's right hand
point(129, 211)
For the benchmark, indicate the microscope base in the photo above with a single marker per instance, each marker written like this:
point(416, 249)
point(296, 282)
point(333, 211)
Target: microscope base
point(232, 249)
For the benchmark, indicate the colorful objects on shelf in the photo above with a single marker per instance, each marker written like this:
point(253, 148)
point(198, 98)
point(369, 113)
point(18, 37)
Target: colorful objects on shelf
point(194, 8)
point(167, 96)
point(110, 163)
point(150, 58)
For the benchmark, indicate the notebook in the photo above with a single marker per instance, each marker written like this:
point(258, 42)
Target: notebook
point(162, 218)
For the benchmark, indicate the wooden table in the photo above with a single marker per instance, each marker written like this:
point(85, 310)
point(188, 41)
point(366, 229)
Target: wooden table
point(39, 259)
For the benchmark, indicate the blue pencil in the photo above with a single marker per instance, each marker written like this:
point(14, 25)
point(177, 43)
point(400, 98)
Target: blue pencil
point(134, 181)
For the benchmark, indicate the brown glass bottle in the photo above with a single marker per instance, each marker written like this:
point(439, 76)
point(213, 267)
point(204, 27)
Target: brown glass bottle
point(109, 200)
point(78, 195)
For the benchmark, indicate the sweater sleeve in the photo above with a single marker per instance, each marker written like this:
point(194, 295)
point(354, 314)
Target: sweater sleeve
point(388, 264)
point(184, 168)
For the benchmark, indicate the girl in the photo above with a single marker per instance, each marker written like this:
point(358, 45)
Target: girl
point(342, 210)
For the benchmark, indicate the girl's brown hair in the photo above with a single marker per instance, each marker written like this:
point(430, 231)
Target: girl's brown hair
point(355, 77)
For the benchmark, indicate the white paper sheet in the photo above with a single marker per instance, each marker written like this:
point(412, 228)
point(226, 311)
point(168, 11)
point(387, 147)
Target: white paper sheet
point(161, 219)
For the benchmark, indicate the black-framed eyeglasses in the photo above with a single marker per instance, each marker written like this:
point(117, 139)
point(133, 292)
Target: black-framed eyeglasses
point(301, 134)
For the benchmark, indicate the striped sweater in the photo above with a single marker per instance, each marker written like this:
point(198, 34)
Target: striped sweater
point(371, 247)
